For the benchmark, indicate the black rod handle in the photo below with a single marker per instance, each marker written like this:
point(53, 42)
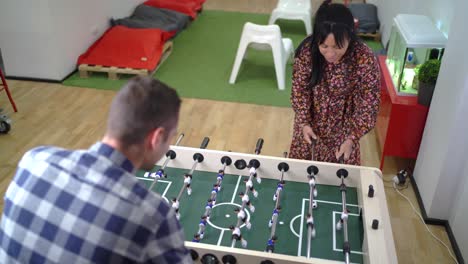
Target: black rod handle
point(341, 159)
point(205, 142)
point(259, 146)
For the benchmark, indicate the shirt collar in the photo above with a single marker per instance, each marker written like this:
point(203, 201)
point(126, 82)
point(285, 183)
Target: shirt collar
point(113, 155)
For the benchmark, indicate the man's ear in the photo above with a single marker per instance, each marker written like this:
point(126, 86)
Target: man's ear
point(156, 137)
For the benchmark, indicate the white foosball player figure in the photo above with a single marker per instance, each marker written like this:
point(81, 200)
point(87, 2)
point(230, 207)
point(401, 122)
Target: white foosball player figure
point(243, 217)
point(344, 217)
point(236, 235)
point(310, 222)
point(249, 185)
point(187, 181)
point(175, 206)
point(245, 199)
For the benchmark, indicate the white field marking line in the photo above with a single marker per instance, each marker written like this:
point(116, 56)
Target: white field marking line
point(334, 231)
point(235, 190)
point(299, 246)
point(318, 201)
point(168, 185)
point(167, 188)
point(291, 224)
point(146, 179)
point(220, 237)
point(334, 235)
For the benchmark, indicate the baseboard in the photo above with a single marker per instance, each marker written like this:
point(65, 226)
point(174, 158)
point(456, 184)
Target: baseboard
point(20, 78)
point(440, 222)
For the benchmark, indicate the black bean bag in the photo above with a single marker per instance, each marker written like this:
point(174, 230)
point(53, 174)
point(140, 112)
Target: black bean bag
point(367, 16)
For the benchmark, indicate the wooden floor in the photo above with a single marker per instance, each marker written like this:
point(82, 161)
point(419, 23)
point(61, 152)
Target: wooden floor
point(71, 117)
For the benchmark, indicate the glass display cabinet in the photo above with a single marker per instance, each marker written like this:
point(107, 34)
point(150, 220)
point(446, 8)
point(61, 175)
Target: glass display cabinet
point(414, 39)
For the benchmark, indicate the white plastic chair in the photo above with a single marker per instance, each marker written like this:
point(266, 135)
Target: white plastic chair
point(264, 37)
point(293, 10)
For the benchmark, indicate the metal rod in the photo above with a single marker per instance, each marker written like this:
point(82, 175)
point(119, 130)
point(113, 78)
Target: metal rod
point(345, 221)
point(273, 227)
point(309, 228)
point(181, 191)
point(193, 167)
point(181, 136)
point(155, 180)
point(312, 149)
point(257, 151)
point(233, 243)
point(277, 204)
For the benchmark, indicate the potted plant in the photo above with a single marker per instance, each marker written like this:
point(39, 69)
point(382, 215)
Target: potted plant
point(427, 76)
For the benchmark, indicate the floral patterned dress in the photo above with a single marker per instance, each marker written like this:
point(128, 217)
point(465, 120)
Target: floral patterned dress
point(344, 105)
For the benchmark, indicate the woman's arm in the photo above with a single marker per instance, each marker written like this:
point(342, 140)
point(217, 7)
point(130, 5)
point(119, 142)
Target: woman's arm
point(301, 95)
point(365, 99)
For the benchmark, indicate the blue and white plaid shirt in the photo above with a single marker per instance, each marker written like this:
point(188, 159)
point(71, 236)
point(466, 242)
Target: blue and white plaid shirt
point(86, 206)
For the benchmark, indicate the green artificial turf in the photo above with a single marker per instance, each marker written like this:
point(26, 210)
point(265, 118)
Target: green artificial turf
point(202, 60)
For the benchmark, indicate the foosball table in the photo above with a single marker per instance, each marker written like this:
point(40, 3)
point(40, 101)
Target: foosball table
point(251, 208)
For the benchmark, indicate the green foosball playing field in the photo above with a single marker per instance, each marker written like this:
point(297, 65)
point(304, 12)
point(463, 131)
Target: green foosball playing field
point(291, 228)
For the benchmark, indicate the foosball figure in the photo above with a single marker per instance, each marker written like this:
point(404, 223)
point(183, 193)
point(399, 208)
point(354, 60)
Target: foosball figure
point(276, 212)
point(310, 223)
point(243, 217)
point(312, 184)
point(249, 185)
point(236, 235)
point(253, 171)
point(208, 208)
point(219, 179)
point(187, 181)
point(279, 188)
point(175, 206)
point(202, 226)
point(245, 199)
point(344, 217)
point(196, 238)
point(271, 244)
point(214, 193)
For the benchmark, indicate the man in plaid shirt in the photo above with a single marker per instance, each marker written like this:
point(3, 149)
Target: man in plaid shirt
point(87, 206)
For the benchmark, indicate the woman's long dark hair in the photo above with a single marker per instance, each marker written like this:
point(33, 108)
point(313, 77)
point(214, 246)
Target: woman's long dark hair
point(334, 19)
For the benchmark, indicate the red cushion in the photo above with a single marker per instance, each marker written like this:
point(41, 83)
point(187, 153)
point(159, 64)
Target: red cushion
point(189, 8)
point(199, 3)
point(127, 47)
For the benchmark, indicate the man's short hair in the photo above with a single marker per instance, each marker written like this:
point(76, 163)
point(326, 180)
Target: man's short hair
point(141, 106)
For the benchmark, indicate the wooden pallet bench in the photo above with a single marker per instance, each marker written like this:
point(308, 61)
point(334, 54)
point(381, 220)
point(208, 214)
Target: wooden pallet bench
point(113, 72)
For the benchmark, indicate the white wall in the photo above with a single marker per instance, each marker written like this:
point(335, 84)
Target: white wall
point(43, 38)
point(460, 215)
point(25, 37)
point(444, 146)
point(441, 170)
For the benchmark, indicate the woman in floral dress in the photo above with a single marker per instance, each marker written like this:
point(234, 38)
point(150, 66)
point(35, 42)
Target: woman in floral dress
point(335, 89)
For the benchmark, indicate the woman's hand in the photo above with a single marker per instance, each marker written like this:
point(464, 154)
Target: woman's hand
point(308, 134)
point(345, 149)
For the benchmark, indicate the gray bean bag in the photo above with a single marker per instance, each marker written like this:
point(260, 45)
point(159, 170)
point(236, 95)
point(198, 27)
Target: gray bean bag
point(151, 17)
point(367, 16)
